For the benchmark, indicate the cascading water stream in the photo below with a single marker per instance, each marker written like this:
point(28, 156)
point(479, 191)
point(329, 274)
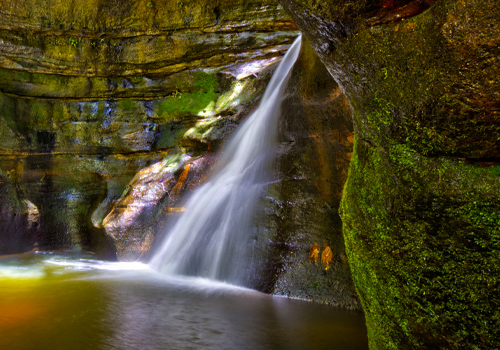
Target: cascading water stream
point(209, 239)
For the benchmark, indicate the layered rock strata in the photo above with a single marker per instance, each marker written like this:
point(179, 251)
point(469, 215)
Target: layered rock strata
point(91, 93)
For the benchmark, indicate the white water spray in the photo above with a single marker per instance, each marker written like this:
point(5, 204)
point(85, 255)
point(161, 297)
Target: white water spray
point(210, 237)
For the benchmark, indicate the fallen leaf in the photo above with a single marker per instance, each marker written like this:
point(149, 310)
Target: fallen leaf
point(314, 253)
point(326, 257)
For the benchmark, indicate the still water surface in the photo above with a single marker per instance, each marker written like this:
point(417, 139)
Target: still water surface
point(50, 301)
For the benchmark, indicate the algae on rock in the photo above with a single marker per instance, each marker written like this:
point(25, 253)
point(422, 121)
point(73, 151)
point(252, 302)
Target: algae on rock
point(423, 240)
point(419, 206)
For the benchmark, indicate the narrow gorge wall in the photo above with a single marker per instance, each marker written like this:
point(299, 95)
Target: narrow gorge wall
point(421, 203)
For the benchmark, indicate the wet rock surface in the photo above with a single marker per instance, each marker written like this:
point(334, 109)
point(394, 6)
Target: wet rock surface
point(419, 207)
point(302, 203)
point(93, 94)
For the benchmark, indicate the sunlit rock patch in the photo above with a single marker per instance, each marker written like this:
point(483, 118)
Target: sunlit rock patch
point(131, 219)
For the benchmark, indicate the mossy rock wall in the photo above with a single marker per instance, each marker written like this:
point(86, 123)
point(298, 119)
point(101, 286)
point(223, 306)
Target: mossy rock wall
point(420, 73)
point(93, 93)
point(423, 242)
point(421, 200)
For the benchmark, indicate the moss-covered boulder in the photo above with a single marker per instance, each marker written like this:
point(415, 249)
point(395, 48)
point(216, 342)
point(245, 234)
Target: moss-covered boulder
point(423, 240)
point(421, 201)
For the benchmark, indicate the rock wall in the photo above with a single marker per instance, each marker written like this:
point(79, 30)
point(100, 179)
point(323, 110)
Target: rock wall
point(316, 135)
point(420, 206)
point(111, 112)
point(94, 95)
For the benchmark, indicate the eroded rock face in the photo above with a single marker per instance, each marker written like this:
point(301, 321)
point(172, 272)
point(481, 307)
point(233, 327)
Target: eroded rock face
point(316, 135)
point(422, 196)
point(79, 49)
point(93, 93)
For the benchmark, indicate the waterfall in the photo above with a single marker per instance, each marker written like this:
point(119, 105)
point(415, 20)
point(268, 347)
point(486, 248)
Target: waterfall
point(209, 239)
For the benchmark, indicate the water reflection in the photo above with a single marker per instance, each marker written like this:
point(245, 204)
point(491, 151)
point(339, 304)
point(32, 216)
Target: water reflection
point(55, 302)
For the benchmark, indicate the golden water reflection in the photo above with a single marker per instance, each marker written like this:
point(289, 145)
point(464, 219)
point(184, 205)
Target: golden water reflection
point(55, 302)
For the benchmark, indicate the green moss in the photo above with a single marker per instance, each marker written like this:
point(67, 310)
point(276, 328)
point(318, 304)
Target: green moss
point(40, 115)
point(205, 82)
point(403, 74)
point(7, 110)
point(58, 112)
point(136, 80)
point(437, 98)
point(381, 111)
point(185, 104)
point(101, 110)
point(203, 129)
point(424, 246)
point(126, 105)
point(495, 170)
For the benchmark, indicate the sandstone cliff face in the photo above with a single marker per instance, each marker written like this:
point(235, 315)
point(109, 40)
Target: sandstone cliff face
point(420, 207)
point(112, 111)
point(95, 93)
point(316, 135)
